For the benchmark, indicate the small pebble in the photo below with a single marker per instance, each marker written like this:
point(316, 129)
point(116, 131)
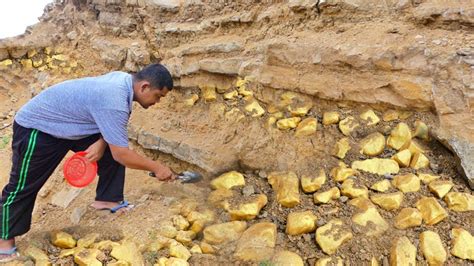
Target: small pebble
point(343, 199)
point(248, 190)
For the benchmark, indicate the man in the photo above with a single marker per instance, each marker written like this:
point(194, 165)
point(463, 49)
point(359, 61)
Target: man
point(88, 114)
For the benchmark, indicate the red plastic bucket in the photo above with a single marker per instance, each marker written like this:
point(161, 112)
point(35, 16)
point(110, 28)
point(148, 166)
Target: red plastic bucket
point(78, 171)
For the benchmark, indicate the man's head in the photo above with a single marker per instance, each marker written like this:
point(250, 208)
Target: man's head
point(150, 84)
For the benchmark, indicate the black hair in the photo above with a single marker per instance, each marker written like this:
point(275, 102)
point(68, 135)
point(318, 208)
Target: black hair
point(158, 76)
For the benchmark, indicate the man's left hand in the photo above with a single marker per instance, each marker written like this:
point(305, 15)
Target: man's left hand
point(96, 150)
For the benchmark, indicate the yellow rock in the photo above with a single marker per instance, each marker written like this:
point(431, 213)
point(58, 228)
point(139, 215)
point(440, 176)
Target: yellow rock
point(287, 98)
point(462, 244)
point(167, 229)
point(176, 262)
point(459, 202)
point(26, 63)
point(248, 210)
point(421, 130)
point(37, 62)
point(373, 144)
point(231, 95)
point(330, 118)
point(403, 158)
point(63, 240)
point(361, 203)
point(241, 85)
point(177, 250)
point(217, 196)
point(286, 185)
point(6, 63)
point(197, 226)
point(427, 178)
point(310, 184)
point(87, 257)
point(43, 68)
point(403, 252)
point(301, 110)
point(37, 255)
point(127, 251)
point(257, 242)
point(196, 249)
point(180, 222)
point(391, 115)
point(59, 57)
point(307, 127)
point(399, 136)
point(300, 223)
point(432, 248)
point(374, 262)
point(70, 252)
point(228, 180)
point(209, 93)
point(347, 125)
point(390, 201)
point(342, 172)
point(206, 216)
point(271, 121)
point(32, 53)
point(187, 206)
point(287, 258)
point(254, 109)
point(381, 186)
point(161, 261)
point(431, 210)
point(325, 197)
point(48, 50)
point(207, 248)
point(234, 115)
point(191, 100)
point(341, 148)
point(88, 240)
point(419, 161)
point(288, 123)
point(329, 262)
point(73, 64)
point(332, 235)
point(377, 166)
point(406, 183)
point(371, 219)
point(159, 243)
point(408, 217)
point(224, 232)
point(185, 237)
point(119, 263)
point(105, 245)
point(440, 187)
point(350, 190)
point(370, 117)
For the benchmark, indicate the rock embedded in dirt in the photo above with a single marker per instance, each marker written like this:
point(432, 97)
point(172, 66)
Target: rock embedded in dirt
point(389, 201)
point(228, 180)
point(257, 242)
point(373, 144)
point(286, 187)
point(307, 127)
point(177, 250)
point(180, 222)
point(341, 148)
point(408, 217)
point(191, 100)
point(285, 258)
point(63, 240)
point(462, 245)
point(195, 249)
point(330, 118)
point(427, 178)
point(254, 109)
point(381, 186)
point(87, 257)
point(399, 136)
point(432, 248)
point(185, 237)
point(332, 235)
point(406, 183)
point(311, 184)
point(198, 226)
point(347, 125)
point(224, 232)
point(431, 210)
point(326, 196)
point(349, 189)
point(88, 240)
point(369, 217)
point(300, 223)
point(167, 229)
point(342, 172)
point(329, 262)
point(127, 251)
point(370, 116)
point(414, 146)
point(419, 161)
point(209, 93)
point(171, 262)
point(247, 210)
point(205, 215)
point(440, 187)
point(403, 252)
point(207, 248)
point(459, 202)
point(421, 130)
point(38, 255)
point(159, 243)
point(403, 158)
point(377, 166)
point(216, 197)
point(288, 123)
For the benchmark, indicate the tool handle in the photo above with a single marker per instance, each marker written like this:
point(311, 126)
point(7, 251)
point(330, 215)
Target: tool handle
point(151, 174)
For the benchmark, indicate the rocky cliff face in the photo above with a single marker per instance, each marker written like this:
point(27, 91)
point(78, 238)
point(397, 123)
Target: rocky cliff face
point(413, 55)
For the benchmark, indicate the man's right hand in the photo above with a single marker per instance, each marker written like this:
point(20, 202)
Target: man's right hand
point(164, 173)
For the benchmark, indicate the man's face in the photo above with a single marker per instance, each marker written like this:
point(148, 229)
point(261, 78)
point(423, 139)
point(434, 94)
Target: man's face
point(152, 96)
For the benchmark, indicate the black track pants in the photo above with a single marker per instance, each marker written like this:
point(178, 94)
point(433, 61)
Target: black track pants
point(35, 156)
